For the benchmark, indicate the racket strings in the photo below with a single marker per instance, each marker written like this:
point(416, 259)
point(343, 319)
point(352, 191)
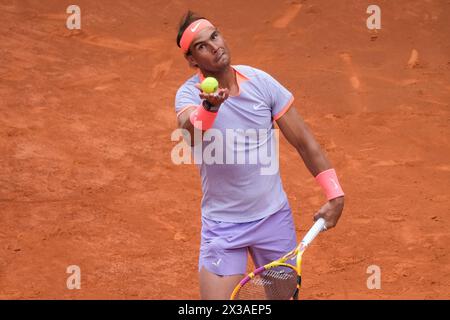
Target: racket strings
point(279, 283)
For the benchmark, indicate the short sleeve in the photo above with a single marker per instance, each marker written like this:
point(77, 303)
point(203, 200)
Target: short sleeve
point(281, 99)
point(185, 98)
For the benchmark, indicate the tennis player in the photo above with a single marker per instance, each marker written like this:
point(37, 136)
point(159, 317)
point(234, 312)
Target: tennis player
point(243, 211)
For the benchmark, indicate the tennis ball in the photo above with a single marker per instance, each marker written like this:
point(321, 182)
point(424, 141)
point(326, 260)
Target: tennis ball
point(209, 85)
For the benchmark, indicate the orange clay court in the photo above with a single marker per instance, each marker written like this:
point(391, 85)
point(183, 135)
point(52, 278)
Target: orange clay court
point(85, 123)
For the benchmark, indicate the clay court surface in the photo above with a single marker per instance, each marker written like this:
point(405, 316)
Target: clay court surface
point(85, 122)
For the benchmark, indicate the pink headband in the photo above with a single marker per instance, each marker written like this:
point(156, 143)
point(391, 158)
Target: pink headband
point(191, 31)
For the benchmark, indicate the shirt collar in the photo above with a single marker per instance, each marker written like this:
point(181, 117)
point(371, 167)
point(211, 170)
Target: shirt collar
point(240, 78)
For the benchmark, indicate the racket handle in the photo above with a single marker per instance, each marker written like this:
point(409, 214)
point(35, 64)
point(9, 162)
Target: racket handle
point(313, 232)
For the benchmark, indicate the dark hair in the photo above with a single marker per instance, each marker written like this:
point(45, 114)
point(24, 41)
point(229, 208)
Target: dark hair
point(185, 22)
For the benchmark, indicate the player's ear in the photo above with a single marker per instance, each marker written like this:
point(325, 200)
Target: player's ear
point(191, 61)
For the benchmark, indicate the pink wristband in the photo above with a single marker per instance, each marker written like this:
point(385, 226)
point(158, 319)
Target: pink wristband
point(330, 184)
point(202, 119)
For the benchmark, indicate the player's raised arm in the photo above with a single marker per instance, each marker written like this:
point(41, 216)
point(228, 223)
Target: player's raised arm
point(300, 137)
point(202, 117)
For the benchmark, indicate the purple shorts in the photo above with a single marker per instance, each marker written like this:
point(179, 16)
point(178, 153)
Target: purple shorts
point(225, 246)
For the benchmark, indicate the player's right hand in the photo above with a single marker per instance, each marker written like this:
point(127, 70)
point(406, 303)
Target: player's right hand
point(216, 98)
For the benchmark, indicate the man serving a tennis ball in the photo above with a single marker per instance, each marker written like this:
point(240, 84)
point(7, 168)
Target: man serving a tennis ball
point(243, 211)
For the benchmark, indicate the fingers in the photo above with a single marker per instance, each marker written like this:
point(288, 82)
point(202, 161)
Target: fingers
point(216, 98)
point(224, 93)
point(211, 97)
point(319, 215)
point(207, 95)
point(219, 90)
point(323, 213)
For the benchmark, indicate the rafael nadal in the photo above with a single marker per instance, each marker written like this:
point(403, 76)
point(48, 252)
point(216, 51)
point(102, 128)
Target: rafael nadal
point(243, 211)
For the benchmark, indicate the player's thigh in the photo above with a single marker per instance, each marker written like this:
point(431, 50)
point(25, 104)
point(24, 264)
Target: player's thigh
point(222, 259)
point(220, 253)
point(215, 287)
point(270, 245)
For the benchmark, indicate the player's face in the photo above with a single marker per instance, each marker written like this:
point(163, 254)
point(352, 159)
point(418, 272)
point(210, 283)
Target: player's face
point(209, 51)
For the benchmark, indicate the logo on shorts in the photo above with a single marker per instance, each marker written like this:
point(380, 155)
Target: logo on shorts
point(217, 262)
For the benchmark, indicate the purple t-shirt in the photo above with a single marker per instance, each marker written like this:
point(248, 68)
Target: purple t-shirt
point(240, 176)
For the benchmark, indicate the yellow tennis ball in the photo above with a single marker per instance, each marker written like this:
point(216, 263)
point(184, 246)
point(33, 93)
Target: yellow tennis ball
point(209, 85)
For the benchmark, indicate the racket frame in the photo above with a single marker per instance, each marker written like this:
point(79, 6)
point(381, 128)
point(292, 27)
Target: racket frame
point(298, 251)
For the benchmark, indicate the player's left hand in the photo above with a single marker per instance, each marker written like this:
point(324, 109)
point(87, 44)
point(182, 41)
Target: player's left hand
point(331, 212)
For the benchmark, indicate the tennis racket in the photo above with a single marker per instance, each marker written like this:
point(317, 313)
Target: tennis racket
point(277, 280)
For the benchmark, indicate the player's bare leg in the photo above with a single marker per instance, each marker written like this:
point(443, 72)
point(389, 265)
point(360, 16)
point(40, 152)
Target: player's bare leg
point(214, 287)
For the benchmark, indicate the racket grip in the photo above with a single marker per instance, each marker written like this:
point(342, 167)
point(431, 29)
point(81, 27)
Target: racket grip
point(313, 232)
